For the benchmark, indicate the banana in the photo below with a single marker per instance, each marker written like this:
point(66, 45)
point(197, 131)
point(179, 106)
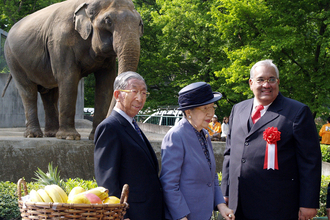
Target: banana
point(60, 191)
point(35, 197)
point(44, 195)
point(100, 191)
point(52, 192)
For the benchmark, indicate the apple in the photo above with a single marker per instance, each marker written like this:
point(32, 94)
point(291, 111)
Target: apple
point(94, 199)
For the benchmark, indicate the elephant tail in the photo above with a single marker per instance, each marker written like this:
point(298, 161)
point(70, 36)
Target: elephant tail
point(7, 84)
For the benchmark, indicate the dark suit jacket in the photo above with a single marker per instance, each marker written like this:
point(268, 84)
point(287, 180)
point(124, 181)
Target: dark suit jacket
point(272, 194)
point(122, 157)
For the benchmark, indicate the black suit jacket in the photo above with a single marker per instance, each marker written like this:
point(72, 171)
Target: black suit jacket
point(122, 157)
point(272, 194)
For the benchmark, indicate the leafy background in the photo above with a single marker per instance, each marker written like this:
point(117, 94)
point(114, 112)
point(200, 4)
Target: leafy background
point(218, 41)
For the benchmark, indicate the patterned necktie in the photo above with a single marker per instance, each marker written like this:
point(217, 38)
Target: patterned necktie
point(257, 115)
point(137, 128)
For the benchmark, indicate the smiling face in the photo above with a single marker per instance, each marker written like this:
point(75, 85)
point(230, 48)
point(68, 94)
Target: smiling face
point(201, 116)
point(266, 92)
point(129, 102)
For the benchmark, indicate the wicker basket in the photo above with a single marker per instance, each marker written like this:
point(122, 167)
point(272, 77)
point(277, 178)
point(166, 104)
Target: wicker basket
point(43, 210)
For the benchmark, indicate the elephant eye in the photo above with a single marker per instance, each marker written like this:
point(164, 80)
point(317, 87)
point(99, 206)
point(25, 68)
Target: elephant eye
point(107, 20)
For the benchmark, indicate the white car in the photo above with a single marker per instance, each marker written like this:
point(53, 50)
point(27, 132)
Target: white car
point(165, 117)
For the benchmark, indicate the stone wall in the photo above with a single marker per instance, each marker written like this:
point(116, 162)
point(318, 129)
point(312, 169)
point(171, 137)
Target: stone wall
point(21, 157)
point(12, 110)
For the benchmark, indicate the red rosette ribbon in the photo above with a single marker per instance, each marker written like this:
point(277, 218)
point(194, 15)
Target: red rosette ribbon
point(271, 136)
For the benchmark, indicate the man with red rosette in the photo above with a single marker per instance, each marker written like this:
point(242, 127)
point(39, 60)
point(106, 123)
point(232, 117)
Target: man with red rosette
point(272, 161)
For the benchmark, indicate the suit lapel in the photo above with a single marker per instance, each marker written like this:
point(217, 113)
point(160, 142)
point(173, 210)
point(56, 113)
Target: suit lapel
point(130, 131)
point(245, 114)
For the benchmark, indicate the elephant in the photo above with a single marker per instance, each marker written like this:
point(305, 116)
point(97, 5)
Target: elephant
point(50, 50)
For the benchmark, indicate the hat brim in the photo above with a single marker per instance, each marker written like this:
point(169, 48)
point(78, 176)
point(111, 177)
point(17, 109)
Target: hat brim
point(216, 96)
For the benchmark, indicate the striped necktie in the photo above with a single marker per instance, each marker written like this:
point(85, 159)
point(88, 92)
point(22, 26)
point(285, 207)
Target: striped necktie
point(138, 130)
point(257, 115)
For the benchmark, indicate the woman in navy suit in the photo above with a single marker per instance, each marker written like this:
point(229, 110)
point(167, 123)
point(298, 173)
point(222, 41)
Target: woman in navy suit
point(188, 175)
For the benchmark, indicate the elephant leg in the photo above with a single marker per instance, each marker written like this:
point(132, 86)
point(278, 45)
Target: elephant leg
point(29, 95)
point(50, 99)
point(103, 93)
point(31, 114)
point(68, 90)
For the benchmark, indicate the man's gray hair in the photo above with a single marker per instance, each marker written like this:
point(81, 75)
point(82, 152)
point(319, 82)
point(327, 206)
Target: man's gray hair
point(121, 80)
point(264, 63)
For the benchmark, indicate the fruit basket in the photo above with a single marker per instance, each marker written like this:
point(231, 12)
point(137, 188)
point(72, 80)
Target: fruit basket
point(43, 210)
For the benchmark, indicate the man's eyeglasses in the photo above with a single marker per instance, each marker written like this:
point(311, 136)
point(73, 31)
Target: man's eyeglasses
point(262, 81)
point(135, 92)
point(207, 109)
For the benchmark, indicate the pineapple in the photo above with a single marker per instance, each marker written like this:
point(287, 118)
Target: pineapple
point(49, 178)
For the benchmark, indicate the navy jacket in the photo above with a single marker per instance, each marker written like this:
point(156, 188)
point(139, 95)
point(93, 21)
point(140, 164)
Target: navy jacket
point(272, 194)
point(122, 157)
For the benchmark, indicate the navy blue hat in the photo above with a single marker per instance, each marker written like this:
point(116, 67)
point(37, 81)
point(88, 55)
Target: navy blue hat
point(197, 94)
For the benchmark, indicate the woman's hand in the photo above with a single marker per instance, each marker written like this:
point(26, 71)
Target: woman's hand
point(226, 212)
point(184, 218)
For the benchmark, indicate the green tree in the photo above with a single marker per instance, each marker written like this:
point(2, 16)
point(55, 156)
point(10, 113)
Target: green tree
point(12, 11)
point(89, 90)
point(295, 34)
point(180, 46)
point(218, 41)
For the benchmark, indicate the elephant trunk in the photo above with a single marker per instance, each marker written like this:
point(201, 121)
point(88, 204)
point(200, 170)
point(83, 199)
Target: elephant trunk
point(128, 54)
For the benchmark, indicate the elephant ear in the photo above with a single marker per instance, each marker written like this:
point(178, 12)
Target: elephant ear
point(82, 22)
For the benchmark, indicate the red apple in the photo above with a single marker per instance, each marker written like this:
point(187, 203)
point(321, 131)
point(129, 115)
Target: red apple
point(94, 199)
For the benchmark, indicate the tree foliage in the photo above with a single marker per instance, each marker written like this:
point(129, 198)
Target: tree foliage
point(218, 41)
point(14, 10)
point(295, 34)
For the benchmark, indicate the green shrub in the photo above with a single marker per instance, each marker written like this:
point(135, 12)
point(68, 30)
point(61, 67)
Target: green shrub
point(8, 201)
point(323, 196)
point(86, 184)
point(325, 153)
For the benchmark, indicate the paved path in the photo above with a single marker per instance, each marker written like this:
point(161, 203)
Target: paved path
point(84, 128)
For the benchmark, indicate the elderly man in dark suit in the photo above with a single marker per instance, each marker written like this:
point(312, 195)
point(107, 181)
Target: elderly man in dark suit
point(123, 155)
point(272, 164)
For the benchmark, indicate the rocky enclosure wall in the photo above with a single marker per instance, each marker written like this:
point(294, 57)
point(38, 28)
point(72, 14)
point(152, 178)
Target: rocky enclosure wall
point(20, 157)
